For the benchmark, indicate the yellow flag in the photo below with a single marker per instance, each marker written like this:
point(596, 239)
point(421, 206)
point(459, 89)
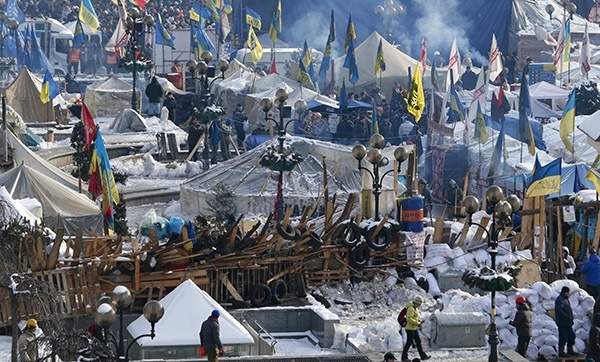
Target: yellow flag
point(256, 50)
point(416, 96)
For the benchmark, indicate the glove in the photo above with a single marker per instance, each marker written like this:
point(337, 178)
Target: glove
point(221, 351)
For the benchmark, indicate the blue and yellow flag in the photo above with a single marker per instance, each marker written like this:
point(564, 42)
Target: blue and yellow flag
point(325, 63)
point(276, 24)
point(525, 130)
point(195, 11)
point(303, 65)
point(416, 96)
point(256, 49)
point(567, 123)
point(163, 37)
point(225, 5)
point(102, 178)
point(49, 88)
point(594, 177)
point(350, 64)
point(379, 59)
point(88, 16)
point(78, 34)
point(253, 18)
point(214, 9)
point(497, 153)
point(567, 51)
point(375, 120)
point(343, 96)
point(456, 110)
point(545, 180)
point(480, 133)
point(350, 33)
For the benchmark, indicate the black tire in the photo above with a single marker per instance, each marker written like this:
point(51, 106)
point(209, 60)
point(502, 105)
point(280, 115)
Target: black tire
point(241, 244)
point(359, 256)
point(381, 242)
point(278, 290)
point(315, 241)
point(260, 295)
point(350, 235)
point(289, 233)
point(321, 299)
point(300, 286)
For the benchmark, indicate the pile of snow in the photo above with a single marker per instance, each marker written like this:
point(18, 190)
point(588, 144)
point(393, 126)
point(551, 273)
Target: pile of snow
point(368, 312)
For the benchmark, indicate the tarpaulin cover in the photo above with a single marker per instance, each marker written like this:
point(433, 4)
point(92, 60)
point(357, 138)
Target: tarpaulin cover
point(23, 95)
point(108, 97)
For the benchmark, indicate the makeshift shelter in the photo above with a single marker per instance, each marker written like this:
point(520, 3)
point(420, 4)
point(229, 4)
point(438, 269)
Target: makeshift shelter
point(61, 206)
point(186, 308)
point(128, 121)
point(108, 97)
point(397, 64)
point(254, 186)
point(13, 209)
point(23, 95)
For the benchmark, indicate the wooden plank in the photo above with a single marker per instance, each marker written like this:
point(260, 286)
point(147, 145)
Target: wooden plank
point(596, 233)
point(542, 226)
point(77, 247)
point(478, 239)
point(559, 242)
point(438, 232)
point(230, 288)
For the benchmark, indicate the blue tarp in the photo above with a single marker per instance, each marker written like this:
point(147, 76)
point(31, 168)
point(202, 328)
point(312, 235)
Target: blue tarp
point(573, 180)
point(512, 129)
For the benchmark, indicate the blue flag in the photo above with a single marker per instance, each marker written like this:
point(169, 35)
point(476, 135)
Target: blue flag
point(38, 60)
point(525, 130)
point(456, 111)
point(163, 36)
point(14, 11)
point(204, 42)
point(350, 63)
point(78, 34)
point(325, 63)
point(49, 88)
point(343, 96)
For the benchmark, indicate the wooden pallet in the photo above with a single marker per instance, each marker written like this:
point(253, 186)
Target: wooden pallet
point(327, 277)
point(570, 359)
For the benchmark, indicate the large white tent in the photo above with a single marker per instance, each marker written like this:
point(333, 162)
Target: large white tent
point(108, 97)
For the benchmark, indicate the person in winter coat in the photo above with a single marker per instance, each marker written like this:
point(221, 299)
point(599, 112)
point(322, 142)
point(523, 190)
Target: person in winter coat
point(413, 321)
point(522, 323)
point(569, 263)
point(195, 133)
point(154, 92)
point(564, 321)
point(210, 337)
point(593, 352)
point(27, 343)
point(592, 270)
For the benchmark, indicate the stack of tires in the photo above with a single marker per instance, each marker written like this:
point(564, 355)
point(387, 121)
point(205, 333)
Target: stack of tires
point(361, 241)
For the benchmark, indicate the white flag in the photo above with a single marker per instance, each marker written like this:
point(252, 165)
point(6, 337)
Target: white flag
point(479, 96)
point(584, 57)
point(558, 52)
point(495, 63)
point(453, 65)
point(543, 35)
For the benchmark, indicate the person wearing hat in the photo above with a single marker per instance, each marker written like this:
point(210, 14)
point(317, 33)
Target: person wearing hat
point(564, 321)
point(592, 270)
point(569, 263)
point(427, 198)
point(522, 323)
point(453, 198)
point(175, 68)
point(210, 337)
point(389, 357)
point(27, 343)
point(413, 321)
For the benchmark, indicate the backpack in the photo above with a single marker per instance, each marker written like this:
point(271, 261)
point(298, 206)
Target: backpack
point(402, 318)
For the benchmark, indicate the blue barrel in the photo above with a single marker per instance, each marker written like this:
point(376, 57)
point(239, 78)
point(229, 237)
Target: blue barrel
point(412, 214)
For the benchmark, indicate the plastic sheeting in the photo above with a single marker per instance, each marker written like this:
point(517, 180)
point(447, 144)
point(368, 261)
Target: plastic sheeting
point(108, 97)
point(128, 121)
point(61, 206)
point(23, 95)
point(186, 308)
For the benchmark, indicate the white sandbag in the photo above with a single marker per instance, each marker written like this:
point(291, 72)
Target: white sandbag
point(508, 259)
point(504, 248)
point(434, 287)
point(558, 284)
point(551, 340)
point(581, 333)
point(579, 345)
point(500, 299)
point(523, 254)
point(587, 302)
point(574, 300)
point(391, 276)
point(502, 322)
point(532, 352)
point(481, 256)
point(544, 290)
point(339, 335)
point(376, 341)
point(531, 295)
point(437, 250)
point(506, 311)
point(507, 338)
point(539, 340)
point(395, 342)
point(547, 350)
point(459, 261)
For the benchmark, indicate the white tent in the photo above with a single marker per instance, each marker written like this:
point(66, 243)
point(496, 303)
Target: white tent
point(128, 121)
point(108, 97)
point(186, 307)
point(397, 64)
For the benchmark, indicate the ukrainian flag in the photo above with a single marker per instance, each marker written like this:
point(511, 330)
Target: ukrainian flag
point(88, 16)
point(327, 53)
point(545, 180)
point(480, 129)
point(379, 59)
point(195, 12)
point(350, 63)
point(163, 37)
point(276, 24)
point(253, 18)
point(102, 181)
point(256, 49)
point(49, 88)
point(304, 63)
point(567, 123)
point(594, 177)
point(78, 34)
point(350, 33)
point(456, 108)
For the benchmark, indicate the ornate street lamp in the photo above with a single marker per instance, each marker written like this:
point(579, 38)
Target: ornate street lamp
point(388, 12)
point(502, 210)
point(201, 71)
point(121, 299)
point(375, 157)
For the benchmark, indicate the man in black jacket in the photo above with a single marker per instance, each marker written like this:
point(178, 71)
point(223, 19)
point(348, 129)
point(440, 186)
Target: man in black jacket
point(154, 92)
point(210, 337)
point(564, 321)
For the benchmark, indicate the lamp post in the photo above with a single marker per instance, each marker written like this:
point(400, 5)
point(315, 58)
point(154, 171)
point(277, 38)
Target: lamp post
point(502, 210)
point(375, 157)
point(136, 26)
point(388, 11)
point(201, 71)
point(121, 300)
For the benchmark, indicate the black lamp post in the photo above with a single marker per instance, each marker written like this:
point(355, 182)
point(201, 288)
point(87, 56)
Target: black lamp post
point(201, 71)
point(503, 209)
point(388, 11)
point(266, 104)
point(136, 27)
point(375, 157)
point(121, 300)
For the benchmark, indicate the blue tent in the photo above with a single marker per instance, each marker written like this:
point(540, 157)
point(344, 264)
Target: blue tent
point(573, 180)
point(512, 129)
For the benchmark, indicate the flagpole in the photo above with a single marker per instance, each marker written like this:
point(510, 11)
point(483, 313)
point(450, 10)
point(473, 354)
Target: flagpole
point(163, 59)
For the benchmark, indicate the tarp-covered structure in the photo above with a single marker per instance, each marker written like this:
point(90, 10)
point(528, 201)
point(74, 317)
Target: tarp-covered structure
point(128, 121)
point(108, 97)
point(23, 95)
point(61, 206)
point(186, 308)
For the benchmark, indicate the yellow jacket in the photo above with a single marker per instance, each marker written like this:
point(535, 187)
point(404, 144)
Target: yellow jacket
point(412, 317)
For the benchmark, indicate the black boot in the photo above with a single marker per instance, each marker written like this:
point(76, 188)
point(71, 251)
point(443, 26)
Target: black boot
point(571, 352)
